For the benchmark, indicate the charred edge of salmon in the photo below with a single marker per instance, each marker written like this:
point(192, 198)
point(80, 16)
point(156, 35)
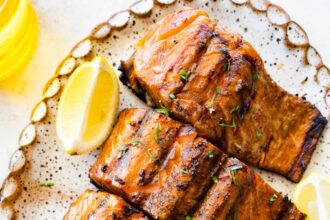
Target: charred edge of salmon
point(317, 126)
point(97, 186)
point(289, 210)
point(126, 67)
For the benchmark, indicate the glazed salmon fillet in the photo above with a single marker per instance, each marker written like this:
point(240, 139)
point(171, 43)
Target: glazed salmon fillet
point(163, 167)
point(101, 206)
point(212, 78)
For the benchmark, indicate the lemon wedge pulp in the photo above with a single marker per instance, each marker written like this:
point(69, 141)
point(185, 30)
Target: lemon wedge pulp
point(312, 196)
point(88, 107)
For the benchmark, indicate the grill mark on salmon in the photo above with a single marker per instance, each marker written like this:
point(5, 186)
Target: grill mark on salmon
point(310, 141)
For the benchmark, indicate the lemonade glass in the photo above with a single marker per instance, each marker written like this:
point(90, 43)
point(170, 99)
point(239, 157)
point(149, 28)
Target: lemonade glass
point(18, 35)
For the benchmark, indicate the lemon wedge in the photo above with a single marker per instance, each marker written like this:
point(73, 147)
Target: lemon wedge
point(312, 196)
point(88, 107)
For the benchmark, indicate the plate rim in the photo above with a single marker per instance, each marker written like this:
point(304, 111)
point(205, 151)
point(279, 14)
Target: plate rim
point(118, 21)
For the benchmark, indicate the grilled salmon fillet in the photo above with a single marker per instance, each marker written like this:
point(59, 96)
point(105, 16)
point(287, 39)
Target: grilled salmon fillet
point(212, 78)
point(102, 206)
point(163, 167)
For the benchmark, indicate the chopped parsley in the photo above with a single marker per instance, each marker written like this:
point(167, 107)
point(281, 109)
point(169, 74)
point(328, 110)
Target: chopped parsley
point(227, 66)
point(135, 143)
point(233, 177)
point(232, 125)
point(235, 216)
point(184, 74)
point(47, 184)
point(172, 96)
point(185, 171)
point(217, 92)
point(272, 199)
point(258, 134)
point(253, 111)
point(138, 142)
point(255, 76)
point(232, 173)
point(188, 218)
point(163, 110)
point(122, 151)
point(214, 179)
point(234, 109)
point(210, 154)
point(157, 129)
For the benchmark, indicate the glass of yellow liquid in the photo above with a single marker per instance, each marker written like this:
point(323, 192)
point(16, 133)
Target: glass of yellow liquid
point(18, 35)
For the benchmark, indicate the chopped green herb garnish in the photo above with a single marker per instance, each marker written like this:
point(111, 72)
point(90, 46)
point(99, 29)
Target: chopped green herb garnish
point(232, 125)
point(214, 179)
point(227, 66)
point(47, 184)
point(122, 151)
point(210, 154)
point(235, 216)
point(134, 143)
point(217, 92)
point(232, 173)
point(185, 171)
point(157, 129)
point(233, 177)
point(172, 96)
point(234, 109)
point(184, 74)
point(255, 76)
point(138, 142)
point(272, 199)
point(253, 111)
point(222, 124)
point(163, 110)
point(188, 218)
point(258, 134)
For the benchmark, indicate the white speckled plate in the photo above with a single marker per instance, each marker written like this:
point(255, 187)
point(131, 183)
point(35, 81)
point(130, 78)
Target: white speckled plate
point(282, 43)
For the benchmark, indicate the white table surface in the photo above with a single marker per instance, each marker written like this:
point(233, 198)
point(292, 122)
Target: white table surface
point(65, 22)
